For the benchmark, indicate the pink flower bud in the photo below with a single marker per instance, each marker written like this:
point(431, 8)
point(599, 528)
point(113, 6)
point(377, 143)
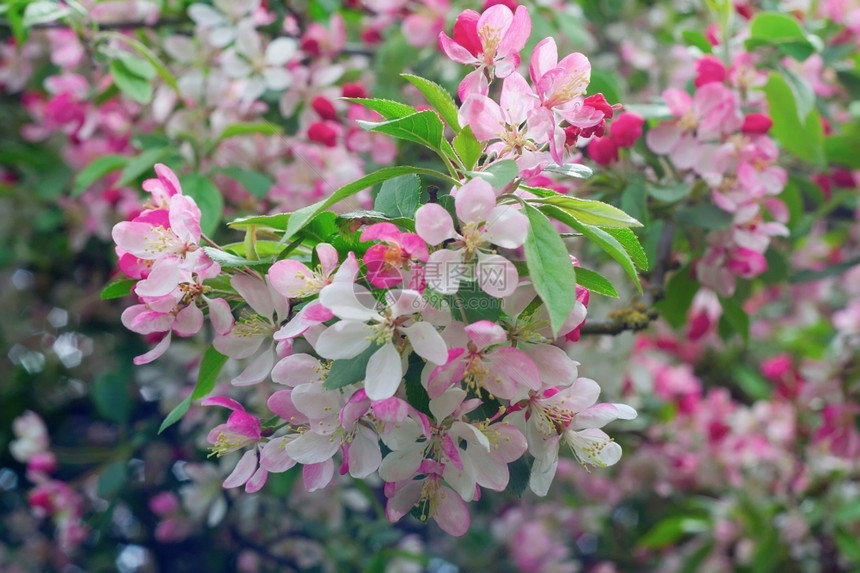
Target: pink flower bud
point(626, 129)
point(709, 69)
point(747, 263)
point(603, 151)
point(598, 102)
point(164, 503)
point(323, 133)
point(354, 90)
point(775, 367)
point(43, 463)
point(324, 108)
point(756, 124)
point(512, 4)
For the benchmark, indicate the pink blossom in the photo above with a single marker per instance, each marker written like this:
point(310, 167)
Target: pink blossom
point(490, 41)
point(386, 261)
point(482, 222)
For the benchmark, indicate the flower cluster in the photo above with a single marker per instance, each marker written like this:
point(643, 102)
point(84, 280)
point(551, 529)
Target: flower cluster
point(720, 134)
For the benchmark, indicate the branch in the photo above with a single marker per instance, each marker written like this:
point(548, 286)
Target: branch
point(641, 313)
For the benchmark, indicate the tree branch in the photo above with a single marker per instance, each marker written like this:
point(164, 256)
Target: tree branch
point(641, 313)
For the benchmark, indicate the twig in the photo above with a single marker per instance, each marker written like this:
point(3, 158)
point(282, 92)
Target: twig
point(641, 313)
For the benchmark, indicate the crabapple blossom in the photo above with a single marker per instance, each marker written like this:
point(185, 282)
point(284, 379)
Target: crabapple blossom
point(491, 41)
point(482, 223)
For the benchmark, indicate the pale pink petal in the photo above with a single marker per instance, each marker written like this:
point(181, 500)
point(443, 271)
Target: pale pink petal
point(663, 138)
point(507, 227)
point(364, 456)
point(518, 32)
point(220, 315)
point(344, 339)
point(403, 500)
point(510, 370)
point(281, 404)
point(296, 369)
point(426, 342)
point(434, 224)
point(223, 401)
point(256, 371)
point(384, 373)
point(556, 367)
point(157, 351)
point(452, 515)
point(474, 83)
point(317, 476)
point(445, 376)
point(257, 481)
point(256, 293)
point(328, 257)
point(162, 279)
point(311, 448)
point(274, 458)
point(243, 470)
point(290, 278)
point(280, 50)
point(401, 464)
point(444, 270)
point(455, 51)
point(483, 115)
point(237, 347)
point(475, 201)
point(188, 321)
point(349, 301)
point(485, 333)
point(496, 275)
point(544, 58)
point(518, 99)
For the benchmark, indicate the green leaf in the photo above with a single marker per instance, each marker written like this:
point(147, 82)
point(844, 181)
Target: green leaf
point(386, 108)
point(650, 111)
point(139, 165)
point(207, 197)
point(698, 39)
point(735, 317)
point(498, 174)
point(751, 382)
point(148, 55)
point(550, 269)
point(261, 127)
point(210, 367)
point(100, 167)
point(112, 478)
point(806, 276)
point(475, 303)
point(847, 513)
point(846, 542)
point(595, 282)
point(705, 216)
point(350, 370)
point(669, 193)
point(804, 139)
point(842, 150)
point(680, 291)
point(632, 245)
point(277, 222)
point(575, 170)
point(111, 397)
point(594, 213)
point(229, 260)
point(519, 470)
point(634, 198)
point(605, 82)
point(671, 530)
point(254, 182)
point(300, 218)
point(601, 238)
point(42, 12)
point(804, 96)
point(399, 197)
point(423, 127)
point(175, 414)
point(468, 148)
point(136, 66)
point(137, 88)
point(782, 31)
point(118, 289)
point(438, 97)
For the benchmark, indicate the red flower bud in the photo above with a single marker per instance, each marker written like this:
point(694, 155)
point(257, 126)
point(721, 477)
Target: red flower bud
point(323, 133)
point(756, 124)
point(626, 129)
point(603, 151)
point(354, 90)
point(598, 101)
point(709, 69)
point(324, 108)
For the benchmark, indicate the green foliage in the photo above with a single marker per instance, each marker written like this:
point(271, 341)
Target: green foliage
point(399, 197)
point(550, 268)
point(207, 197)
